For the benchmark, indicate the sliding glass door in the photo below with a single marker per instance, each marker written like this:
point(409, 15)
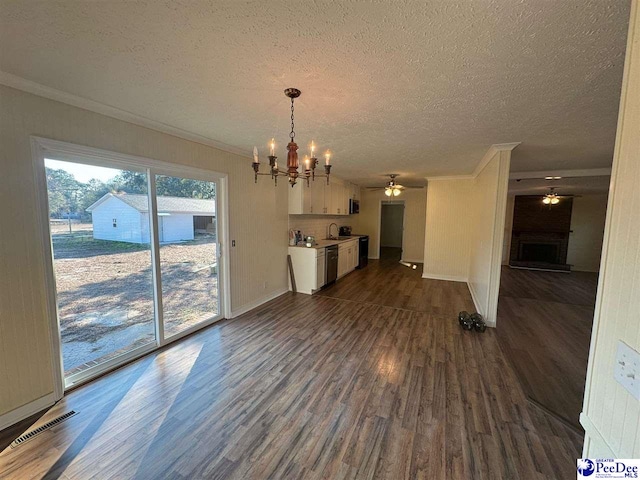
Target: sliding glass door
point(135, 259)
point(188, 240)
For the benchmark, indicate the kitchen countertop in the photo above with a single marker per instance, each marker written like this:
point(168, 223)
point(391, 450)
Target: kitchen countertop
point(327, 243)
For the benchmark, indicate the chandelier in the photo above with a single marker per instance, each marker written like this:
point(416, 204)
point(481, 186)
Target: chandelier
point(310, 163)
point(551, 198)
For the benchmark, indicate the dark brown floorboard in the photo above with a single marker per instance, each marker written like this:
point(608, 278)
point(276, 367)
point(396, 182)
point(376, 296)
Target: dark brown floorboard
point(544, 328)
point(311, 387)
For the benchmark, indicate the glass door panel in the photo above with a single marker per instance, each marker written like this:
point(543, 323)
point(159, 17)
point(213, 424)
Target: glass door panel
point(99, 224)
point(187, 233)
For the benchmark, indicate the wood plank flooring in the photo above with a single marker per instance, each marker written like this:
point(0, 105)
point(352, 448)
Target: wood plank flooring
point(311, 387)
point(544, 328)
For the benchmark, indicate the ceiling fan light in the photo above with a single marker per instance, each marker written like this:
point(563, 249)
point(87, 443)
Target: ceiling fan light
point(396, 192)
point(555, 201)
point(546, 200)
point(388, 192)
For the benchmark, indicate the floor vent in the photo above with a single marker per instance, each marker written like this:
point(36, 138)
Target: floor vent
point(34, 433)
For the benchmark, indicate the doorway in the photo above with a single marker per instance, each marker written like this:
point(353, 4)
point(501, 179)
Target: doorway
point(548, 287)
point(128, 269)
point(391, 229)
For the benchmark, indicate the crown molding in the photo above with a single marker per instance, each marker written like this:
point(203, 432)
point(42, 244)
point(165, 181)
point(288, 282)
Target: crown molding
point(40, 90)
point(590, 172)
point(493, 149)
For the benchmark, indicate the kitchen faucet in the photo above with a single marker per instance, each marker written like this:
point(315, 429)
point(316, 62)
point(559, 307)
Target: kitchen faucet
point(331, 237)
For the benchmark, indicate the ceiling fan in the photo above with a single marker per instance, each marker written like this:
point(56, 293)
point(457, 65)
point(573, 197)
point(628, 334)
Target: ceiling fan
point(392, 188)
point(552, 198)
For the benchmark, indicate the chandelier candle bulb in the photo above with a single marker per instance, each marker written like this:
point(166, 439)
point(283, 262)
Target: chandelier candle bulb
point(272, 147)
point(327, 158)
point(256, 159)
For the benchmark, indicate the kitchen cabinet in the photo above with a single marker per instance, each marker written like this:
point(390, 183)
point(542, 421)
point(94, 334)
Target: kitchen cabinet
point(319, 198)
point(347, 257)
point(300, 199)
point(308, 268)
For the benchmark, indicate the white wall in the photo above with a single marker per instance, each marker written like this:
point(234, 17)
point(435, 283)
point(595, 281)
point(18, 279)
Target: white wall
point(177, 227)
point(367, 222)
point(587, 232)
point(447, 236)
point(257, 221)
point(127, 227)
point(391, 220)
point(611, 416)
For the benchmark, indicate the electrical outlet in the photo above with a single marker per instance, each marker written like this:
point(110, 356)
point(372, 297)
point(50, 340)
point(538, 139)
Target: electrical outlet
point(233, 243)
point(627, 369)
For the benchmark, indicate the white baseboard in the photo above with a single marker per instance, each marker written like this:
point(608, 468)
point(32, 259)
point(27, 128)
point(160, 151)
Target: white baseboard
point(250, 306)
point(374, 258)
point(595, 443)
point(447, 278)
point(474, 297)
point(25, 411)
point(412, 260)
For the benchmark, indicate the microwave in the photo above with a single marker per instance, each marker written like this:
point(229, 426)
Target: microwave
point(354, 206)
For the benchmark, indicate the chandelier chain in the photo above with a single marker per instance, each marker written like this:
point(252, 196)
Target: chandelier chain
point(292, 135)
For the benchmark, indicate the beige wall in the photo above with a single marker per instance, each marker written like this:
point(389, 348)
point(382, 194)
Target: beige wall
point(465, 224)
point(488, 207)
point(446, 247)
point(367, 222)
point(611, 416)
point(257, 221)
point(587, 231)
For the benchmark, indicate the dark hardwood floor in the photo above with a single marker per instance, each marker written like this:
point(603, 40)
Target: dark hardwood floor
point(544, 328)
point(313, 387)
point(387, 282)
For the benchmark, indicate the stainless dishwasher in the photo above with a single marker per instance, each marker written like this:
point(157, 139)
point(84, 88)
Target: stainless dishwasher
point(331, 270)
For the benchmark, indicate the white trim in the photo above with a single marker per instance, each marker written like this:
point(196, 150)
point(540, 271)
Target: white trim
point(42, 218)
point(250, 306)
point(592, 432)
point(25, 411)
point(474, 297)
point(499, 220)
point(493, 150)
point(486, 158)
point(28, 86)
point(590, 172)
point(446, 278)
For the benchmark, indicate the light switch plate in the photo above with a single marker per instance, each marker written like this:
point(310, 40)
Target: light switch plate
point(627, 369)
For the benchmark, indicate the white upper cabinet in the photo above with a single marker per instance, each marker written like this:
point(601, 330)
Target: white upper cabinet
point(300, 199)
point(319, 198)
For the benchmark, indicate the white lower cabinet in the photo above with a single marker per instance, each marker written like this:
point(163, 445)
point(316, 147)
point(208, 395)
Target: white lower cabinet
point(347, 257)
point(308, 268)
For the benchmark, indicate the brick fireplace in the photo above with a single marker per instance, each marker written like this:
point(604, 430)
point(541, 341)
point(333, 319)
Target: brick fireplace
point(540, 236)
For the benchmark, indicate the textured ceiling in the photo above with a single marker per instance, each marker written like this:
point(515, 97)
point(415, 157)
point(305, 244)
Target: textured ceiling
point(415, 87)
